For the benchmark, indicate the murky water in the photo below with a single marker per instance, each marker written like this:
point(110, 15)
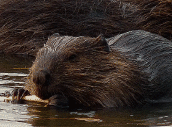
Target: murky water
point(12, 73)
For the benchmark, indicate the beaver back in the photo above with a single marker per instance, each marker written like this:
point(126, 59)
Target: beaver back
point(152, 53)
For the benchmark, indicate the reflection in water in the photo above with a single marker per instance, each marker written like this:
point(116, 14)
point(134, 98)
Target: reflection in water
point(12, 73)
point(14, 124)
point(13, 114)
point(88, 114)
point(5, 78)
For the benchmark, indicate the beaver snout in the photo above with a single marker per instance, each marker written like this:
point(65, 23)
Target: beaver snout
point(41, 78)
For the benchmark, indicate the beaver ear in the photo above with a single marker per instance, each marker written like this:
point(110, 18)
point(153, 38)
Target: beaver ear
point(103, 43)
point(54, 36)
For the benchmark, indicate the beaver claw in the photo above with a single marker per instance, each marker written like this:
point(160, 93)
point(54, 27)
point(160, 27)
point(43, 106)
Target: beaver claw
point(18, 94)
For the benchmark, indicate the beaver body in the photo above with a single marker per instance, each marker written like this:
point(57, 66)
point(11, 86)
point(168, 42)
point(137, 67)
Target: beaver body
point(25, 25)
point(153, 54)
point(124, 70)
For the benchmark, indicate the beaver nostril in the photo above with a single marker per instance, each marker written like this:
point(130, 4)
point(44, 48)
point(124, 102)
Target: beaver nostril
point(41, 77)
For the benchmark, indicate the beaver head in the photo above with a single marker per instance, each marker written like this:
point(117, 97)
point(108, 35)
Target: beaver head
point(85, 70)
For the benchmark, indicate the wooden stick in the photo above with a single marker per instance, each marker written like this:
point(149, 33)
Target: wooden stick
point(27, 98)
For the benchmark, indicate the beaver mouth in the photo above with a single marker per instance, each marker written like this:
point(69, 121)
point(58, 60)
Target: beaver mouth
point(55, 99)
point(42, 92)
point(59, 100)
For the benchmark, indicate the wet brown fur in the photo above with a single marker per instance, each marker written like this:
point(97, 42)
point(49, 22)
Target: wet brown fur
point(83, 70)
point(26, 24)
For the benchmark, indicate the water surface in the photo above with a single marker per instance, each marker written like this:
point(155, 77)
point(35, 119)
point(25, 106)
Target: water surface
point(14, 69)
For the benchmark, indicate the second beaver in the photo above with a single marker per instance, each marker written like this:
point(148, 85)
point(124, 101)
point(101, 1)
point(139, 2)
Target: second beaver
point(26, 24)
point(153, 54)
point(124, 70)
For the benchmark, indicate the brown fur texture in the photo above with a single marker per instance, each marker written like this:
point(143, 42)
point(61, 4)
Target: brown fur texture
point(25, 25)
point(123, 71)
point(84, 70)
point(155, 16)
point(153, 54)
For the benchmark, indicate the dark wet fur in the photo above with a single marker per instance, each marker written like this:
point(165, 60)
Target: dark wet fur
point(153, 54)
point(26, 24)
point(85, 71)
point(133, 67)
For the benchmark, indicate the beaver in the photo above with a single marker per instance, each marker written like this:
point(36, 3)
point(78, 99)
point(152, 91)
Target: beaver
point(153, 54)
point(125, 70)
point(25, 25)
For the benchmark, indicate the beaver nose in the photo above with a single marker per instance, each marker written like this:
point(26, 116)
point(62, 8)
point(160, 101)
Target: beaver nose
point(41, 77)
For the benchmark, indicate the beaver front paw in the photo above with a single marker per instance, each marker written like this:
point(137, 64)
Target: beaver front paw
point(18, 94)
point(59, 101)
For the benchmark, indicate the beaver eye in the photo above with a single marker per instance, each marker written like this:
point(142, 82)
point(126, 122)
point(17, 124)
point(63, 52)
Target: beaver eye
point(72, 57)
